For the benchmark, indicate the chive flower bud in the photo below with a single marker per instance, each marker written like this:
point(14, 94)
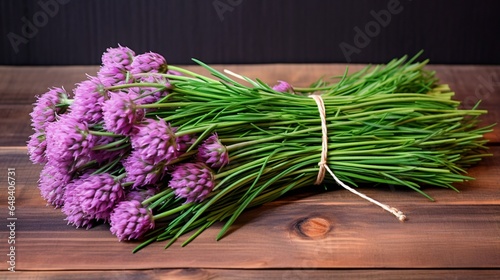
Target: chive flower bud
point(73, 209)
point(89, 96)
point(69, 141)
point(148, 63)
point(47, 107)
point(193, 181)
point(37, 145)
point(98, 194)
point(121, 115)
point(142, 172)
point(155, 141)
point(52, 184)
point(213, 153)
point(115, 65)
point(130, 220)
point(283, 86)
point(120, 57)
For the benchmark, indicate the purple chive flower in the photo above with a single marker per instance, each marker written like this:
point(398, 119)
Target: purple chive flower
point(148, 63)
point(142, 194)
point(110, 75)
point(48, 107)
point(142, 172)
point(213, 153)
point(116, 63)
point(98, 194)
point(283, 86)
point(121, 114)
point(36, 148)
point(155, 141)
point(120, 56)
point(193, 181)
point(131, 220)
point(69, 141)
point(52, 184)
point(73, 209)
point(89, 96)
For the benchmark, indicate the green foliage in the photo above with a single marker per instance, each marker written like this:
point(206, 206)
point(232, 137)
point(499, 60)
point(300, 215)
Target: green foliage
point(390, 124)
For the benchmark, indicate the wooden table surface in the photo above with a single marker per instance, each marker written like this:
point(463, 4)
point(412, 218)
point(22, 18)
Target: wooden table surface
point(305, 236)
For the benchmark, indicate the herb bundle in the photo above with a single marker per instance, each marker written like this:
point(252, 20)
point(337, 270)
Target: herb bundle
point(158, 151)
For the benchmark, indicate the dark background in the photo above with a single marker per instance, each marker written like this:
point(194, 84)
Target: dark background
point(248, 31)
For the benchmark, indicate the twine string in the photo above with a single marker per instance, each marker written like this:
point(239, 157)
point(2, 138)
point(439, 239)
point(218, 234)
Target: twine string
point(324, 139)
point(323, 166)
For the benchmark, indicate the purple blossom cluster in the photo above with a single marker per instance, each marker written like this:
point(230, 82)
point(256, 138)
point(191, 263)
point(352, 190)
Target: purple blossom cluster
point(193, 181)
point(283, 86)
point(116, 63)
point(121, 114)
point(104, 156)
point(90, 198)
point(48, 107)
point(213, 153)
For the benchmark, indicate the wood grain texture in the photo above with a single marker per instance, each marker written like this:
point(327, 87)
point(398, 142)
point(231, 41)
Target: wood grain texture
point(308, 230)
point(270, 274)
point(20, 86)
point(313, 234)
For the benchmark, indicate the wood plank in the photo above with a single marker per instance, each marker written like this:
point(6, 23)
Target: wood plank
point(15, 124)
point(271, 237)
point(20, 84)
point(471, 84)
point(325, 230)
point(227, 274)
